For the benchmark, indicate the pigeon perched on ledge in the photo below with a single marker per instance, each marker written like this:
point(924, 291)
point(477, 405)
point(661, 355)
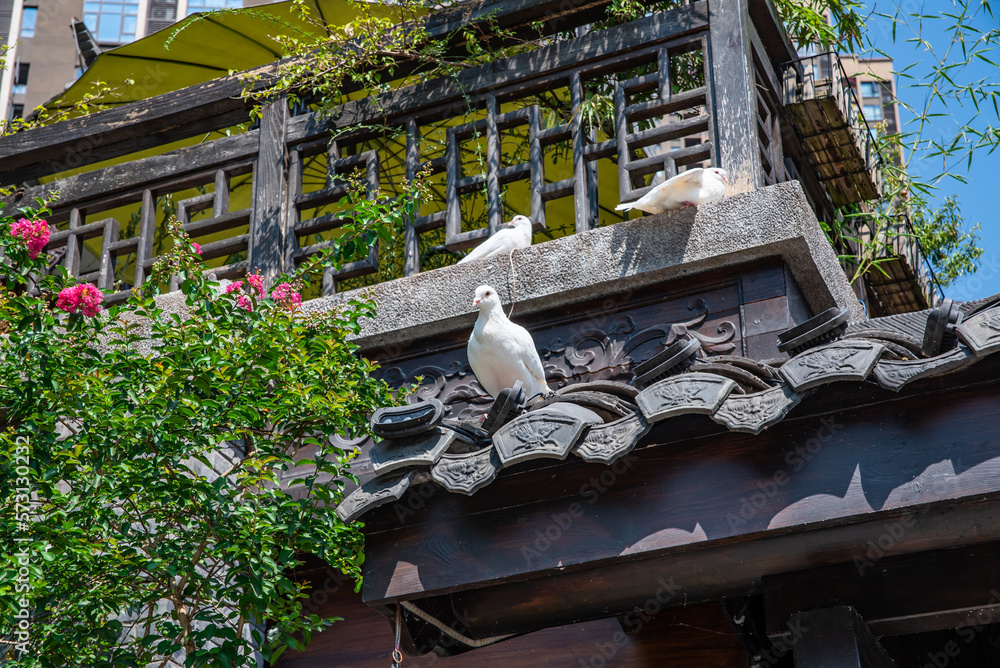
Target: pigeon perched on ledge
point(503, 241)
point(502, 353)
point(691, 188)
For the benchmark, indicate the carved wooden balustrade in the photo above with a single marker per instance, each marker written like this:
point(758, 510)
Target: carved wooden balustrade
point(692, 85)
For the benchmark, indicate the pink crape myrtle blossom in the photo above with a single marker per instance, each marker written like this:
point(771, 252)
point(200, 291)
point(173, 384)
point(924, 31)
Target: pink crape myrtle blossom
point(234, 286)
point(286, 295)
point(83, 298)
point(35, 234)
point(197, 248)
point(244, 303)
point(257, 281)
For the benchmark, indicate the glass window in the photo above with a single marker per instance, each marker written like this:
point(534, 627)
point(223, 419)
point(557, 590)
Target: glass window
point(873, 113)
point(195, 6)
point(869, 89)
point(17, 111)
point(21, 79)
point(28, 21)
point(111, 21)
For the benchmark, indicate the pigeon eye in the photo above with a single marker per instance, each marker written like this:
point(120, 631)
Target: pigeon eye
point(487, 293)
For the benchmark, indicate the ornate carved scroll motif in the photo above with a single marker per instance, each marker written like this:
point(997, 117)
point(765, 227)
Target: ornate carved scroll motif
point(608, 354)
point(605, 443)
point(420, 450)
point(542, 433)
point(752, 413)
point(687, 393)
point(981, 332)
point(374, 493)
point(844, 360)
point(893, 374)
point(467, 473)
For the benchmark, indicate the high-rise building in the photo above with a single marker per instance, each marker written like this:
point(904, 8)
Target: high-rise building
point(874, 82)
point(44, 58)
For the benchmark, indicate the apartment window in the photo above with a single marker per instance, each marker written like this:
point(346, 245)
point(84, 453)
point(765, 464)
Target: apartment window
point(28, 21)
point(17, 111)
point(112, 21)
point(195, 6)
point(873, 113)
point(21, 79)
point(869, 89)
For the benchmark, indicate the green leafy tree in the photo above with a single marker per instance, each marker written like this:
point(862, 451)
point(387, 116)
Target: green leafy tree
point(144, 449)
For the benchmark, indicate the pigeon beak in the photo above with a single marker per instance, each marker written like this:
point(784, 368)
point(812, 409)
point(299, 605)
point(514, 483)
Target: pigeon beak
point(725, 179)
point(475, 302)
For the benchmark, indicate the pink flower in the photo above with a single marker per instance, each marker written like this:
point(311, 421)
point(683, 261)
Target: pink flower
point(34, 232)
point(84, 298)
point(244, 303)
point(68, 300)
point(197, 248)
point(257, 281)
point(90, 300)
point(285, 295)
point(234, 286)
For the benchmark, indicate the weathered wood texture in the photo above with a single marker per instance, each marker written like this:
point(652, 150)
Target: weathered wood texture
point(267, 235)
point(715, 511)
point(733, 96)
point(696, 636)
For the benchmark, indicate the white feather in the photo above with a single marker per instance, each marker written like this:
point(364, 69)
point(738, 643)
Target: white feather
point(693, 187)
point(503, 241)
point(501, 352)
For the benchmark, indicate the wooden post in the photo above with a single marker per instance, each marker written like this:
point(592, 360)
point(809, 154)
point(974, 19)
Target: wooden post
point(732, 94)
point(411, 242)
point(835, 638)
point(267, 231)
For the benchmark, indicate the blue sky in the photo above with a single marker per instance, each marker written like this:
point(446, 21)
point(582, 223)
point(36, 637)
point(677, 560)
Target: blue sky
point(980, 197)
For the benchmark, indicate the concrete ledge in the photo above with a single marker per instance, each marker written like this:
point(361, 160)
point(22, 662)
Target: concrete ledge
point(770, 222)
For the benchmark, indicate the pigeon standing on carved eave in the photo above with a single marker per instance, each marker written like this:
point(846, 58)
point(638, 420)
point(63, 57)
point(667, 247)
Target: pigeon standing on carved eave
point(500, 352)
point(691, 188)
point(505, 240)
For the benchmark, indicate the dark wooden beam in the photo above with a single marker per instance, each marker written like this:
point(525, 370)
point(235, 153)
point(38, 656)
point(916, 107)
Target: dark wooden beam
point(835, 638)
point(733, 100)
point(883, 589)
point(123, 130)
point(693, 573)
point(267, 233)
point(123, 183)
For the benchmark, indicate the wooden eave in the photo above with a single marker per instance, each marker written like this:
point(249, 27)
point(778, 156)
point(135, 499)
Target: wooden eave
point(701, 511)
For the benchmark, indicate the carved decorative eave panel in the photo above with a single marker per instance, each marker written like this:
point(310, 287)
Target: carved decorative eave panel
point(845, 360)
point(981, 332)
point(696, 392)
point(895, 374)
point(374, 493)
point(727, 390)
point(420, 450)
point(753, 413)
point(608, 442)
point(469, 472)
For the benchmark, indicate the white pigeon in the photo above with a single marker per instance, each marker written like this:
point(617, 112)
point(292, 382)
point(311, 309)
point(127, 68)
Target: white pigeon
point(501, 352)
point(504, 240)
point(691, 188)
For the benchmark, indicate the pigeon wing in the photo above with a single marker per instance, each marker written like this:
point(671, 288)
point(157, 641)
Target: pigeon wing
point(528, 357)
point(498, 243)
